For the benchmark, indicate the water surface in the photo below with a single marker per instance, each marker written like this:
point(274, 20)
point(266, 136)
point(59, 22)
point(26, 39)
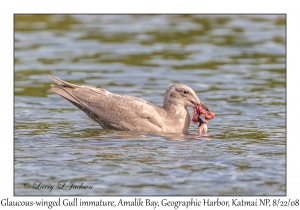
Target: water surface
point(235, 64)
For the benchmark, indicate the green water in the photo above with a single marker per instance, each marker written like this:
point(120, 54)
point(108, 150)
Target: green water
point(235, 63)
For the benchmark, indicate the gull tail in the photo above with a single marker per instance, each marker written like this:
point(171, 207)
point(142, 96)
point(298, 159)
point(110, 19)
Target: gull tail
point(65, 90)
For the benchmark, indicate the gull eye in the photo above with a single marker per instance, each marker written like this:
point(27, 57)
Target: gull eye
point(185, 92)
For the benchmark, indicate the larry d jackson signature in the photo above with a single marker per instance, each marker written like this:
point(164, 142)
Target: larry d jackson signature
point(62, 185)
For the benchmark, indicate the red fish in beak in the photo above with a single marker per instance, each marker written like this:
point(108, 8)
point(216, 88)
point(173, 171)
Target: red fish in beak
point(201, 115)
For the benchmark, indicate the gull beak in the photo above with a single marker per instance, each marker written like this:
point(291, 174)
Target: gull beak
point(199, 103)
point(203, 106)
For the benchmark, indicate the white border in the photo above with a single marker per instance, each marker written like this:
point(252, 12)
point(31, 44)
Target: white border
point(8, 8)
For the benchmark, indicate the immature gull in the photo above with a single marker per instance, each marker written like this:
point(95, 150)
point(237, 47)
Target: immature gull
point(121, 112)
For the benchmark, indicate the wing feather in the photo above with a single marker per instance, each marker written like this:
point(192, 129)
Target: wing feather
point(111, 110)
point(126, 113)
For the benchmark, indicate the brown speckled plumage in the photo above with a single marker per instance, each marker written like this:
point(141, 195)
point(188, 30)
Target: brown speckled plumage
point(130, 113)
